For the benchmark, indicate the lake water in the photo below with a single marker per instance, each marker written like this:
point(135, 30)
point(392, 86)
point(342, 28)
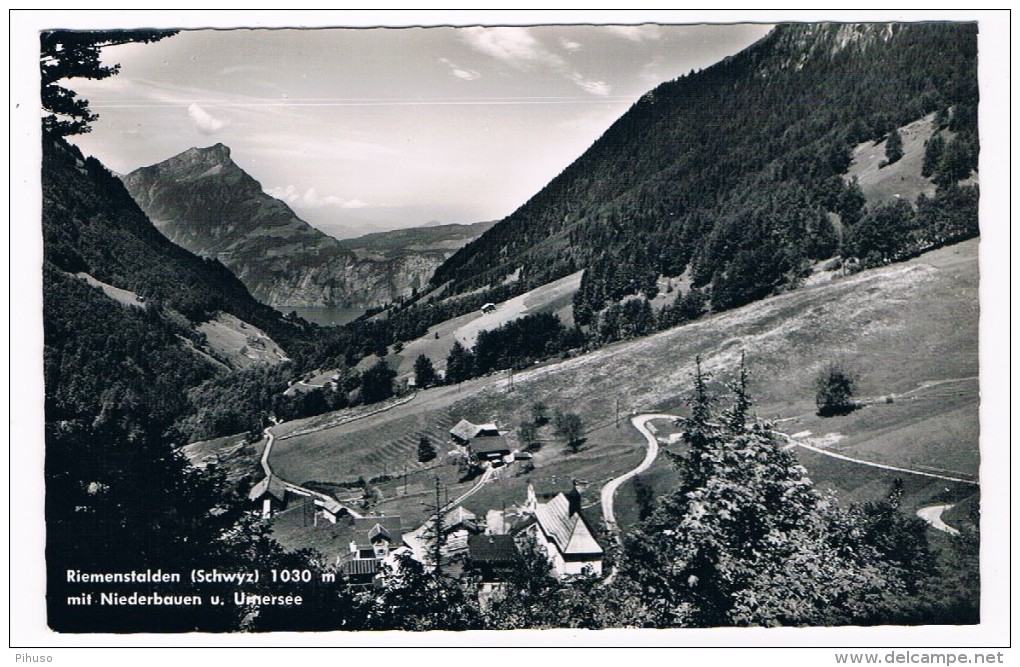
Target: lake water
point(326, 316)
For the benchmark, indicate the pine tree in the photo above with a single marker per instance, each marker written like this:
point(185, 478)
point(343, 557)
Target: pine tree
point(934, 149)
point(424, 373)
point(66, 54)
point(426, 450)
point(460, 364)
point(893, 147)
point(745, 539)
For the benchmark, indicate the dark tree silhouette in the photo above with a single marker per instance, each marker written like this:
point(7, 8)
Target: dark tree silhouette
point(377, 382)
point(835, 388)
point(424, 373)
point(571, 428)
point(66, 54)
point(893, 147)
point(460, 364)
point(426, 450)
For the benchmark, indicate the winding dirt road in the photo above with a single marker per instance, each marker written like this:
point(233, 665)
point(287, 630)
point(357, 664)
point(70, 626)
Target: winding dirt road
point(294, 488)
point(933, 517)
point(609, 490)
point(871, 464)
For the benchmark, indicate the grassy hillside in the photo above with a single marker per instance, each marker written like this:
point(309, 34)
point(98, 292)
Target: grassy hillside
point(901, 179)
point(905, 328)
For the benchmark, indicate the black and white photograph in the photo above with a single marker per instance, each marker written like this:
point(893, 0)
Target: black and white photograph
point(474, 327)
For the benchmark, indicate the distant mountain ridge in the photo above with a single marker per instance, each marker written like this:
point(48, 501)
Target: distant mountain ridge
point(432, 238)
point(203, 201)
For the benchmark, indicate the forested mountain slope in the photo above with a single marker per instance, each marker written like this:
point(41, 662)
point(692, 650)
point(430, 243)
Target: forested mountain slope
point(733, 173)
point(126, 314)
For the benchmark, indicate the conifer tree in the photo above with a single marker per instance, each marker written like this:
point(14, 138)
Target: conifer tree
point(893, 147)
point(745, 539)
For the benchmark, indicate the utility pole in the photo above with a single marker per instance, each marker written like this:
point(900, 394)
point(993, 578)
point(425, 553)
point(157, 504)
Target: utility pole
point(510, 380)
point(437, 555)
point(405, 479)
point(617, 412)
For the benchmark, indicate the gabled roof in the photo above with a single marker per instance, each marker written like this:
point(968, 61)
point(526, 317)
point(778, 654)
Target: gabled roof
point(567, 531)
point(490, 445)
point(330, 505)
point(271, 486)
point(492, 549)
point(465, 430)
point(460, 517)
point(378, 531)
point(370, 528)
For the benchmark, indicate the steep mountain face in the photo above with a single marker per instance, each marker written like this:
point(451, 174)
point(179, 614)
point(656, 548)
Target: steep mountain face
point(409, 257)
point(202, 201)
point(132, 321)
point(92, 225)
point(731, 174)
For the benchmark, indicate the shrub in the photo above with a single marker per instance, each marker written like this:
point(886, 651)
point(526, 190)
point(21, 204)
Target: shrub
point(835, 387)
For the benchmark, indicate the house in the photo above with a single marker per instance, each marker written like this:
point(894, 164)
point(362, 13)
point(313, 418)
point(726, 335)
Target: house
point(459, 525)
point(375, 537)
point(361, 571)
point(329, 509)
point(375, 540)
point(490, 448)
point(489, 308)
point(493, 556)
point(272, 493)
point(484, 441)
point(560, 528)
point(464, 432)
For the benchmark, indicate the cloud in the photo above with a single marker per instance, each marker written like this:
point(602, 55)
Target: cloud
point(518, 48)
point(204, 121)
point(311, 199)
point(636, 33)
point(569, 45)
point(600, 88)
point(460, 72)
point(514, 46)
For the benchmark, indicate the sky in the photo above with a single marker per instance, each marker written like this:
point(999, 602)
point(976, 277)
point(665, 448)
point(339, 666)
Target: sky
point(367, 129)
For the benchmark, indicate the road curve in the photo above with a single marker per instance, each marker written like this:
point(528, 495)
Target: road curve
point(295, 488)
point(933, 517)
point(609, 490)
point(871, 464)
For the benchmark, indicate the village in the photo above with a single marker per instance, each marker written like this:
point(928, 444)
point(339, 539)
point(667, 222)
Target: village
point(452, 538)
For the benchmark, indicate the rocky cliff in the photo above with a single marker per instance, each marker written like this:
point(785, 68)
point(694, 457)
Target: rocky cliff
point(203, 201)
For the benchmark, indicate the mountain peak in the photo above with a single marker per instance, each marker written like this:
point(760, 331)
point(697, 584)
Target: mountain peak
point(216, 153)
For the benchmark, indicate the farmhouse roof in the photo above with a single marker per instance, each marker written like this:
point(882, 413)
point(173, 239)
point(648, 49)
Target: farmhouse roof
point(495, 444)
point(567, 530)
point(493, 549)
point(465, 430)
point(272, 486)
point(371, 528)
point(330, 505)
point(460, 516)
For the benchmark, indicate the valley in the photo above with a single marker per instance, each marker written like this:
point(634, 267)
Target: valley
point(917, 350)
point(722, 370)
